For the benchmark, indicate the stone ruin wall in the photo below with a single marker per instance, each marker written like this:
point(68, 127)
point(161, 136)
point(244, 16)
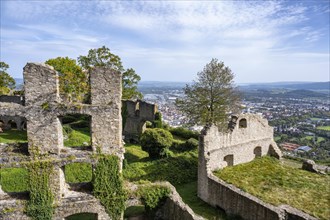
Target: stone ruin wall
point(42, 111)
point(249, 137)
point(137, 113)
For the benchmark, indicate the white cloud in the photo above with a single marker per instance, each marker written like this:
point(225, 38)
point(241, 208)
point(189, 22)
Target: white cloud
point(162, 38)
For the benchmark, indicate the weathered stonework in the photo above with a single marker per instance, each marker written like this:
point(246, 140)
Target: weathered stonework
point(137, 113)
point(43, 110)
point(248, 136)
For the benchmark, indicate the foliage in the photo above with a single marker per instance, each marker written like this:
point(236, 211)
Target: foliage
point(6, 81)
point(179, 169)
point(153, 195)
point(39, 207)
point(108, 185)
point(211, 97)
point(155, 141)
point(184, 133)
point(14, 179)
point(275, 183)
point(181, 146)
point(158, 123)
point(103, 57)
point(78, 172)
point(73, 81)
point(130, 81)
point(13, 136)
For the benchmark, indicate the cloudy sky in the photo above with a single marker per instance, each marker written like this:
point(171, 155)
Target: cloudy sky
point(261, 41)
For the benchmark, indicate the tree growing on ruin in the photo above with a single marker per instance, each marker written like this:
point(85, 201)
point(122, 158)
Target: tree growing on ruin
point(212, 97)
point(73, 81)
point(7, 82)
point(103, 57)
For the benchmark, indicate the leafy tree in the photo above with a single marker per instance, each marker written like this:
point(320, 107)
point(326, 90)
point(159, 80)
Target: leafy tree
point(6, 81)
point(103, 57)
point(73, 81)
point(156, 142)
point(212, 97)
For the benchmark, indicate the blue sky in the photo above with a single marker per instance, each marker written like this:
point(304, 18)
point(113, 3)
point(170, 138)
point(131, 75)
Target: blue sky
point(261, 41)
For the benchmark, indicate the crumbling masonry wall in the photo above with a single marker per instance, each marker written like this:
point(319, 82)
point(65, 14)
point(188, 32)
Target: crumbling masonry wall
point(136, 114)
point(42, 110)
point(248, 136)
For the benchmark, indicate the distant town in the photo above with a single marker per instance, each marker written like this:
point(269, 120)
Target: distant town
point(300, 117)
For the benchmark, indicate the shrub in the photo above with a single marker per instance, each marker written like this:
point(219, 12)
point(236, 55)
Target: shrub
point(181, 146)
point(153, 195)
point(184, 133)
point(191, 144)
point(155, 141)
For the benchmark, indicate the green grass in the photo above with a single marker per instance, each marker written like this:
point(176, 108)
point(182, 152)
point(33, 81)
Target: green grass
point(77, 137)
point(315, 119)
point(277, 184)
point(326, 128)
point(319, 139)
point(14, 179)
point(13, 136)
point(78, 172)
point(180, 170)
point(188, 192)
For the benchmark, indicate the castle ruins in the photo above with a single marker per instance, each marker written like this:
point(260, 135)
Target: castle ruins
point(248, 136)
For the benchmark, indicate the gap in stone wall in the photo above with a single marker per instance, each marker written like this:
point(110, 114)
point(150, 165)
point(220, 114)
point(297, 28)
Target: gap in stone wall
point(76, 130)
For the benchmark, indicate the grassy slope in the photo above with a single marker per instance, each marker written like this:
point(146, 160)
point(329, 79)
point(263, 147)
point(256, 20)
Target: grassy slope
point(275, 183)
point(181, 171)
point(326, 128)
point(13, 136)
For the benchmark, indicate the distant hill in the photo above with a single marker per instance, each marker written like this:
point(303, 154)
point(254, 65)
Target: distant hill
point(289, 85)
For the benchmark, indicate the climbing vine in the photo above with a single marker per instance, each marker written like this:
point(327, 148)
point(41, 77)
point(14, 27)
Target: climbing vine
point(108, 185)
point(40, 205)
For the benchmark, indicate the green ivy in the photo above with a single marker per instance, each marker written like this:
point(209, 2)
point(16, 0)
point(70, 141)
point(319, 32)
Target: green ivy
point(108, 185)
point(40, 205)
point(153, 195)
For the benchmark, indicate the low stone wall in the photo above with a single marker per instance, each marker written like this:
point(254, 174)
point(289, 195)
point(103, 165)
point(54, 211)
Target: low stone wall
point(237, 202)
point(175, 209)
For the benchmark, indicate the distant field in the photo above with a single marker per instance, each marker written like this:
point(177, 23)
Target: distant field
point(319, 139)
point(326, 128)
point(316, 119)
point(277, 184)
